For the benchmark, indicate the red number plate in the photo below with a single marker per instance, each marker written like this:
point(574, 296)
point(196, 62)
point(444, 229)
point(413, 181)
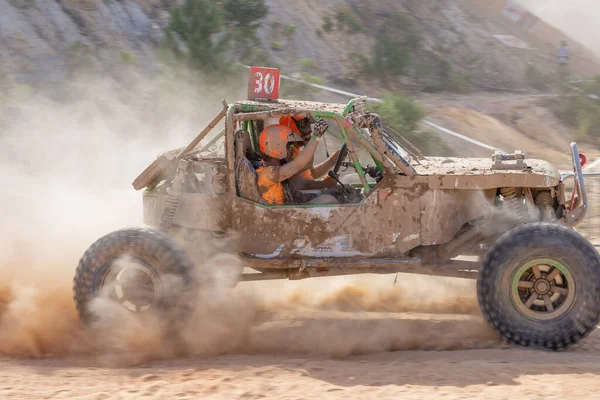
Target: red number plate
point(263, 83)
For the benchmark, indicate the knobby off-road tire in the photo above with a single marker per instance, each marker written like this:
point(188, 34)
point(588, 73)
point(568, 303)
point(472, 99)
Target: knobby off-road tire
point(150, 259)
point(525, 307)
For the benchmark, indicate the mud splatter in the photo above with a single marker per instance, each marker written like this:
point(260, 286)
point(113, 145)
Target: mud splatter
point(68, 174)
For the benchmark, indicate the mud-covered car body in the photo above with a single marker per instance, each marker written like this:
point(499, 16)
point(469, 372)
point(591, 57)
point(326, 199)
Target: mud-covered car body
point(408, 212)
point(504, 220)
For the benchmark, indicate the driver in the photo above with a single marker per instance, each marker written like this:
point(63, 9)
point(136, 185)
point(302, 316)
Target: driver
point(277, 142)
point(307, 179)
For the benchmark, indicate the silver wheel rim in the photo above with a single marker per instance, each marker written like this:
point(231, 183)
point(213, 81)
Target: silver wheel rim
point(132, 284)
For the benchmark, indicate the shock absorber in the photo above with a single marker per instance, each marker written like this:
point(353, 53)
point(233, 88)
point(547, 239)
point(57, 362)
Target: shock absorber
point(513, 204)
point(172, 198)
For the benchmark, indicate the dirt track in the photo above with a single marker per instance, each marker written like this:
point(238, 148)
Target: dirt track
point(329, 339)
point(492, 373)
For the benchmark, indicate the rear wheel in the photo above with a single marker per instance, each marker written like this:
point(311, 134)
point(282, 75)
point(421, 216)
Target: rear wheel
point(140, 269)
point(539, 285)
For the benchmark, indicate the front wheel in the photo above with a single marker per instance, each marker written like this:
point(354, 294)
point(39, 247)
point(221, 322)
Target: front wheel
point(140, 269)
point(539, 285)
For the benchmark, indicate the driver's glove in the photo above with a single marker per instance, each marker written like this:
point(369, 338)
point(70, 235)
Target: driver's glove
point(320, 127)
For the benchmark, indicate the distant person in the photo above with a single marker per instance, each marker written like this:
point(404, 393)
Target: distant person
point(563, 61)
point(563, 54)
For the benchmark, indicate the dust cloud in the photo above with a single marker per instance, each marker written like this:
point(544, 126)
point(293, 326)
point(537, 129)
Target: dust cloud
point(67, 168)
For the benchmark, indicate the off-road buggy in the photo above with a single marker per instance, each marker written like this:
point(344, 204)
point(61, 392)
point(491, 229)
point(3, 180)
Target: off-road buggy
point(505, 220)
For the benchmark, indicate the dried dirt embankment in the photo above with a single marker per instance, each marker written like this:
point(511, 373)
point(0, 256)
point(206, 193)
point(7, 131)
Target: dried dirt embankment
point(506, 121)
point(45, 42)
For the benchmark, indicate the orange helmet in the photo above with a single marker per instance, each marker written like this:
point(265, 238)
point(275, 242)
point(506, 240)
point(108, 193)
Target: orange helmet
point(290, 123)
point(273, 141)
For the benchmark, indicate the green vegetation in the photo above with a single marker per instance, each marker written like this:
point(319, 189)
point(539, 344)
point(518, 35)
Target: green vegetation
point(399, 112)
point(314, 79)
point(189, 34)
point(327, 24)
point(403, 115)
point(445, 70)
point(581, 112)
point(290, 29)
point(244, 13)
point(447, 79)
point(347, 22)
point(297, 91)
point(276, 45)
point(242, 18)
point(583, 115)
point(393, 49)
point(259, 57)
point(79, 56)
point(536, 78)
point(21, 91)
point(201, 32)
point(22, 4)
point(588, 123)
point(593, 86)
point(441, 48)
point(307, 64)
point(472, 60)
point(391, 56)
point(128, 57)
point(301, 90)
point(459, 83)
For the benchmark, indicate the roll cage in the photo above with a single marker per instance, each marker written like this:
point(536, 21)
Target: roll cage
point(389, 150)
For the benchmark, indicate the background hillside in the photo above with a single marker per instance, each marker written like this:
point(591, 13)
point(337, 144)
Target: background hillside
point(45, 41)
point(467, 62)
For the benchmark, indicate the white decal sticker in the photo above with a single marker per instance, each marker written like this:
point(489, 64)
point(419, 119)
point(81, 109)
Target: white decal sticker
point(275, 254)
point(410, 238)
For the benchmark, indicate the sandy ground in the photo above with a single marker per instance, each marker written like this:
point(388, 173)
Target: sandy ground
point(330, 338)
point(491, 374)
point(485, 373)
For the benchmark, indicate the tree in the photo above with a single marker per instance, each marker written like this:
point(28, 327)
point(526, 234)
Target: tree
point(244, 13)
point(391, 55)
point(403, 115)
point(396, 42)
point(190, 34)
point(242, 17)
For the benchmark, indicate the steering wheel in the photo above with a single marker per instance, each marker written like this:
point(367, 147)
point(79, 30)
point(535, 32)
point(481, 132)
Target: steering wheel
point(341, 157)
